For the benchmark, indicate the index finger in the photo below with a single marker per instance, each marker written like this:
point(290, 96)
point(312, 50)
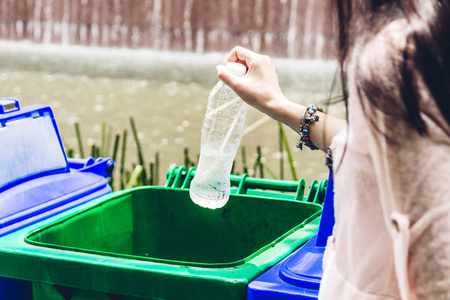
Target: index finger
point(239, 54)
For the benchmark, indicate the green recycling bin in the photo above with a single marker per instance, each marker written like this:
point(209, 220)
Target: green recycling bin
point(155, 243)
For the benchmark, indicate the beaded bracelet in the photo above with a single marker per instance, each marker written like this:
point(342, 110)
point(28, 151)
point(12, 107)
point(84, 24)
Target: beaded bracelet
point(309, 117)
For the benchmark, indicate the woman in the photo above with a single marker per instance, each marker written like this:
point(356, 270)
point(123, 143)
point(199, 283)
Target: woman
point(391, 157)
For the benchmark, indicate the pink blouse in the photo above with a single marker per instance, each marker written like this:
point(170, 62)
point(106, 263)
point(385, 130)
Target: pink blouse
point(392, 202)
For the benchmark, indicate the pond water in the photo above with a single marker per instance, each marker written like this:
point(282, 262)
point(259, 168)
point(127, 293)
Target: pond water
point(165, 92)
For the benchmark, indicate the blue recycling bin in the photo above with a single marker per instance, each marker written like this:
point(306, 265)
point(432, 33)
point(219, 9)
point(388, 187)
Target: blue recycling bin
point(299, 275)
point(36, 178)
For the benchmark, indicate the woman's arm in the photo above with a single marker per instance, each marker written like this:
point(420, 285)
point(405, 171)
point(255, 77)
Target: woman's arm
point(260, 88)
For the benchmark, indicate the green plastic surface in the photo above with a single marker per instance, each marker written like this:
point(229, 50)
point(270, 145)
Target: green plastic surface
point(155, 243)
point(181, 177)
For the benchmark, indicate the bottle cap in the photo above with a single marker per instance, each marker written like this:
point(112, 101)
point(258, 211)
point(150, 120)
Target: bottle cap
point(236, 68)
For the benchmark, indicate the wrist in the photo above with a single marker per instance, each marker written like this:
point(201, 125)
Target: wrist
point(309, 117)
point(278, 107)
point(287, 112)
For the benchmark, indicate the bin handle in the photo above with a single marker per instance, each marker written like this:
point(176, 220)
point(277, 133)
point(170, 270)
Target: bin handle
point(319, 196)
point(300, 190)
point(171, 174)
point(187, 180)
point(180, 177)
point(312, 191)
point(178, 180)
point(241, 188)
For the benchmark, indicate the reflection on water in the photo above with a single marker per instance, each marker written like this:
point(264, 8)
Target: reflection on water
point(166, 93)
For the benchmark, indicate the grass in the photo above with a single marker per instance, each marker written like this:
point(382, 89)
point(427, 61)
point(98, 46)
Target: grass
point(131, 174)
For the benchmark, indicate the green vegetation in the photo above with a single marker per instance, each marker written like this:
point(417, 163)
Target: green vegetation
point(131, 174)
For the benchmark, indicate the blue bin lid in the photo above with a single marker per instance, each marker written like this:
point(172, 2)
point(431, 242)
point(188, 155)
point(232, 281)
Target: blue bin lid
point(44, 193)
point(36, 179)
point(299, 275)
point(270, 286)
point(304, 268)
point(39, 198)
point(30, 143)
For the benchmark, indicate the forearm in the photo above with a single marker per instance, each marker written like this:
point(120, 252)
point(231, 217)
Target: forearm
point(290, 113)
point(260, 88)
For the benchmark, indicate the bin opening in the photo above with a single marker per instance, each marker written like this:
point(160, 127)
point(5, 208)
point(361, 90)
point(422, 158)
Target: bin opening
point(164, 225)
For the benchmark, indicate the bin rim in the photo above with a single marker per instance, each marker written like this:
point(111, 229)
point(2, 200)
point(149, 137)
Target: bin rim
point(113, 196)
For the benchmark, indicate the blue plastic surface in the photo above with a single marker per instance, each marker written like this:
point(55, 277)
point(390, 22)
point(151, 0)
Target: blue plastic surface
point(33, 198)
point(101, 166)
point(299, 275)
point(43, 197)
point(270, 286)
point(327, 221)
point(29, 112)
point(304, 268)
point(38, 195)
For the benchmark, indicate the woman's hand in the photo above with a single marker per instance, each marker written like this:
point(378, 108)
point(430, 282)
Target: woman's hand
point(259, 87)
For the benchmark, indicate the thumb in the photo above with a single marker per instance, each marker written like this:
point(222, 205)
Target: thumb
point(227, 78)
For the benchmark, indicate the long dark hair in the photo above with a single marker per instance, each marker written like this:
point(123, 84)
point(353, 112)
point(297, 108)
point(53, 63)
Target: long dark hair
point(425, 58)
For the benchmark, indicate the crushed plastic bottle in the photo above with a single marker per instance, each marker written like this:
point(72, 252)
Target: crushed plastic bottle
point(221, 136)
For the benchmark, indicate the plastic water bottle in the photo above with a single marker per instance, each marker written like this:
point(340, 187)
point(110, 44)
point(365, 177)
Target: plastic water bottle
point(221, 136)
